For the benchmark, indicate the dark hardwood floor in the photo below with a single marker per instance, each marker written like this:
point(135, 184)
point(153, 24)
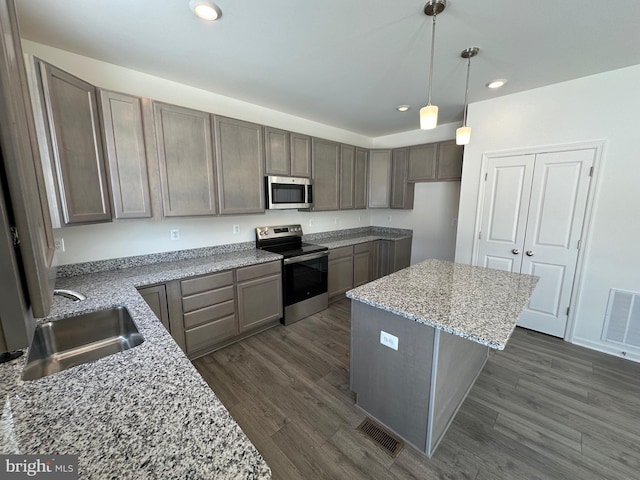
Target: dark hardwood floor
point(541, 409)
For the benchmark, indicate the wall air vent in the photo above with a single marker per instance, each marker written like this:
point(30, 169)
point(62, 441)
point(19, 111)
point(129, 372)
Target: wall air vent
point(622, 321)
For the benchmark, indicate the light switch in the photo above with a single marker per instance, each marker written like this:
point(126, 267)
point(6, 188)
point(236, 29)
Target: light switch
point(388, 340)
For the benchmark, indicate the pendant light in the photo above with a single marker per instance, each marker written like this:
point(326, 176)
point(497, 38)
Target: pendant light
point(429, 113)
point(463, 134)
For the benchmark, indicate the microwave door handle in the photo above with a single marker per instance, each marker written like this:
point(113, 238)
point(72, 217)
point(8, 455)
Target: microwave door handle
point(309, 194)
point(305, 258)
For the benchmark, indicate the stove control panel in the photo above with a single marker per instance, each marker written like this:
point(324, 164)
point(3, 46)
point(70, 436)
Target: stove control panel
point(280, 231)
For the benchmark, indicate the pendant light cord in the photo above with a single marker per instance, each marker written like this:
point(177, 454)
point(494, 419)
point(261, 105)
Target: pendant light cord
point(466, 94)
point(433, 46)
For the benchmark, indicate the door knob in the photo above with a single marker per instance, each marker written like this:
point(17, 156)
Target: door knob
point(529, 253)
point(515, 251)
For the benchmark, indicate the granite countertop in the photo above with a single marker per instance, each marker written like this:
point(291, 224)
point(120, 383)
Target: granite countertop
point(476, 303)
point(143, 413)
point(337, 241)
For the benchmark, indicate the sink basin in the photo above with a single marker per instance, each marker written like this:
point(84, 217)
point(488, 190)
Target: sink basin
point(72, 341)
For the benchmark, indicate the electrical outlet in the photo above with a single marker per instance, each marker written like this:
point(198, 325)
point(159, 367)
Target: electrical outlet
point(312, 222)
point(175, 234)
point(359, 218)
point(388, 340)
point(236, 229)
point(335, 220)
point(389, 218)
point(454, 221)
point(59, 244)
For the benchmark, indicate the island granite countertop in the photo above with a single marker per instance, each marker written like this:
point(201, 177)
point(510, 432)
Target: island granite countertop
point(476, 303)
point(143, 413)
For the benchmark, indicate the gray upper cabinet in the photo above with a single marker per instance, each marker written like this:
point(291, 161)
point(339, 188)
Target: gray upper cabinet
point(239, 162)
point(379, 178)
point(185, 160)
point(326, 175)
point(360, 178)
point(347, 164)
point(422, 162)
point(450, 161)
point(401, 191)
point(300, 155)
point(126, 154)
point(76, 145)
point(277, 152)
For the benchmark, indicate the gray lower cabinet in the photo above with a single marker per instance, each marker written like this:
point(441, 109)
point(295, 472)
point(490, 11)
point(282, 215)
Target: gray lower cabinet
point(449, 161)
point(239, 162)
point(156, 298)
point(300, 155)
point(402, 192)
point(347, 177)
point(379, 179)
point(422, 162)
point(72, 124)
point(360, 178)
point(126, 154)
point(326, 174)
point(362, 271)
point(185, 160)
point(277, 152)
point(209, 313)
point(259, 291)
point(390, 256)
point(340, 274)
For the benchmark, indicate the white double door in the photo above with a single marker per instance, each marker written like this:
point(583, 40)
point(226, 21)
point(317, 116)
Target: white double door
point(532, 216)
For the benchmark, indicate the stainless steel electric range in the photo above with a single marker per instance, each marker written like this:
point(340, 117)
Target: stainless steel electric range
point(304, 270)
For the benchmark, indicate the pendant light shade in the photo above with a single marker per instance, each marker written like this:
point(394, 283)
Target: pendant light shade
point(429, 113)
point(463, 134)
point(428, 117)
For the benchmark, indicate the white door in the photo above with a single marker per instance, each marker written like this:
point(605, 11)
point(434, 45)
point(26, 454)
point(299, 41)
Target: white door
point(546, 231)
point(504, 220)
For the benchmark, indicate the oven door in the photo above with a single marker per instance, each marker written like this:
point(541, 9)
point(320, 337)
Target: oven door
point(305, 277)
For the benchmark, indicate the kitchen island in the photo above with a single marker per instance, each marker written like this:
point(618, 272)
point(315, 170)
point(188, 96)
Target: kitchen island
point(421, 336)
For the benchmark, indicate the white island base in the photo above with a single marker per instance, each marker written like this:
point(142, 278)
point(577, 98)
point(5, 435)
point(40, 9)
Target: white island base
point(416, 390)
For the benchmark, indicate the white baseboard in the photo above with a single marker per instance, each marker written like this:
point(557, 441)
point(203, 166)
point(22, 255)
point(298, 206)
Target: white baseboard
point(630, 353)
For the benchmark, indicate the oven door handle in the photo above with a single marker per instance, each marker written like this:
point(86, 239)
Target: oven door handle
point(304, 258)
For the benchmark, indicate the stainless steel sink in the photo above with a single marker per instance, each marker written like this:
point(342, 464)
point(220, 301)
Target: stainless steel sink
point(72, 341)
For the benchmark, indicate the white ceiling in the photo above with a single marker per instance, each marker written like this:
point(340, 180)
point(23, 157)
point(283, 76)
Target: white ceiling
point(347, 63)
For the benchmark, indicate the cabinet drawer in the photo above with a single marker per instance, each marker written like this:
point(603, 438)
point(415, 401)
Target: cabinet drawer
point(210, 333)
point(209, 314)
point(340, 252)
point(362, 247)
point(255, 271)
point(207, 282)
point(206, 299)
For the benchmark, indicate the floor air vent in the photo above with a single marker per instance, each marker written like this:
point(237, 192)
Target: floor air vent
point(381, 436)
point(622, 322)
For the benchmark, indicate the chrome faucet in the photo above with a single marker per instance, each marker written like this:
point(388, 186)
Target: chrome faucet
point(71, 294)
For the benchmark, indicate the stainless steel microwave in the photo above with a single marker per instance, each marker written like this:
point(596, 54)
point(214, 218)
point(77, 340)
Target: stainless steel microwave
point(288, 192)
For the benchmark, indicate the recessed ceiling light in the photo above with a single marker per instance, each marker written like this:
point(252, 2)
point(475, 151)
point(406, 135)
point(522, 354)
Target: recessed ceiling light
point(497, 83)
point(205, 9)
point(403, 108)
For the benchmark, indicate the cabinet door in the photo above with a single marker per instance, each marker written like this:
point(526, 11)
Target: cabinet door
point(156, 298)
point(401, 254)
point(340, 276)
point(326, 175)
point(361, 264)
point(347, 164)
point(72, 115)
point(126, 154)
point(450, 161)
point(186, 161)
point(277, 152)
point(360, 179)
point(422, 162)
point(259, 301)
point(379, 178)
point(300, 155)
point(401, 191)
point(239, 162)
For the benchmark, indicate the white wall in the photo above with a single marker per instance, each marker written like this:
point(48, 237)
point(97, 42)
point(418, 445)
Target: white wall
point(599, 107)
